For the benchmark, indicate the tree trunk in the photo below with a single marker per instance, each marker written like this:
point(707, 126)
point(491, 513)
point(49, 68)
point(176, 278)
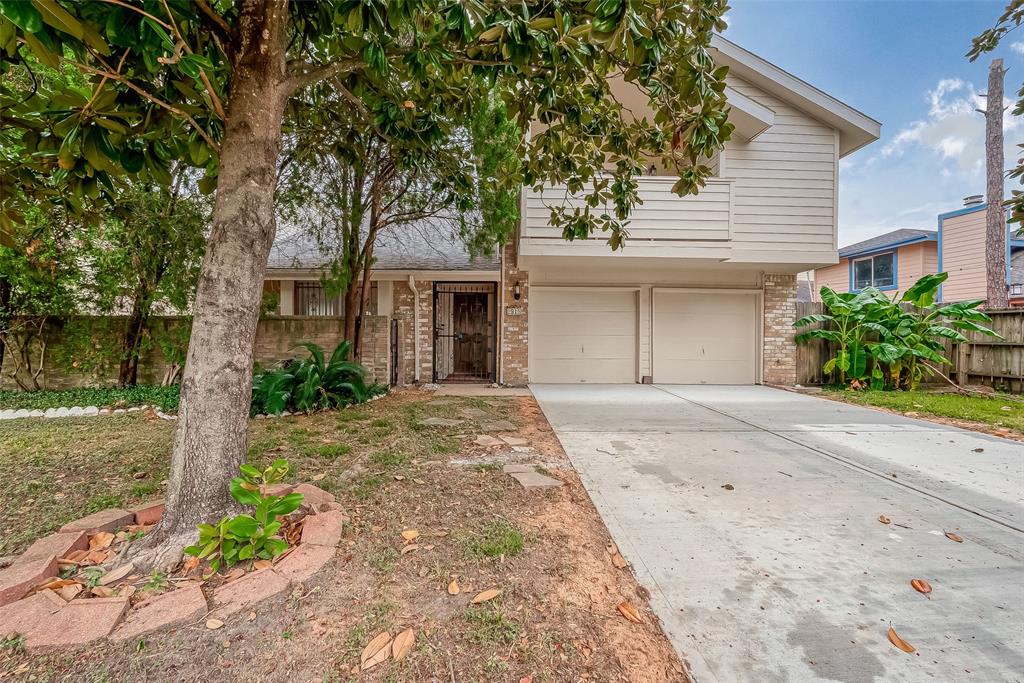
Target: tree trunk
point(995, 215)
point(210, 442)
point(5, 316)
point(364, 296)
point(351, 313)
point(128, 372)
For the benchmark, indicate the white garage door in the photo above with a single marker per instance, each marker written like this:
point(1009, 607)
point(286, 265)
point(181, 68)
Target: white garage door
point(704, 338)
point(582, 335)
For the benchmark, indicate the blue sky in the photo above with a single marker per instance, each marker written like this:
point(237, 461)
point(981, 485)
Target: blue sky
point(901, 63)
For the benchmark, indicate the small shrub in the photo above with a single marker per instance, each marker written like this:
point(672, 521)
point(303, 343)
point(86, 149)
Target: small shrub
point(164, 398)
point(248, 537)
point(498, 538)
point(310, 384)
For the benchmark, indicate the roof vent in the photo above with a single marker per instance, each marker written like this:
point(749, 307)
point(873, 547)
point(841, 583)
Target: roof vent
point(974, 200)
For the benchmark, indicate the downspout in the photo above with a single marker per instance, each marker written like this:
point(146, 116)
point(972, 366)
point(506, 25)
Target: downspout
point(415, 328)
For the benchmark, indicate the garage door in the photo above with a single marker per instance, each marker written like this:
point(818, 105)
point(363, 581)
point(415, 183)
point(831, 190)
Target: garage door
point(582, 335)
point(704, 338)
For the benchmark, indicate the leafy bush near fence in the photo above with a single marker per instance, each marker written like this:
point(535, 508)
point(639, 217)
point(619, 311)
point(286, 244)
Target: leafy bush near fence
point(164, 398)
point(308, 384)
point(890, 343)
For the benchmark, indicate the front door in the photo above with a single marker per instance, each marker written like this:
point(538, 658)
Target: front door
point(464, 339)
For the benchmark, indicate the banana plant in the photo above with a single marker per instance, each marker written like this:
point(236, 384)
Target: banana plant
point(850, 320)
point(914, 332)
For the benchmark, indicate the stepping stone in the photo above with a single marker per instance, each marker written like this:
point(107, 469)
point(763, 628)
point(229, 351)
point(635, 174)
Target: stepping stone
point(535, 480)
point(514, 440)
point(484, 440)
point(498, 426)
point(474, 413)
point(518, 468)
point(522, 449)
point(441, 422)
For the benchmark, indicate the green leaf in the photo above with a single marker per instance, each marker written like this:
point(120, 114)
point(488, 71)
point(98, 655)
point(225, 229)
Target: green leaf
point(23, 14)
point(244, 526)
point(286, 505)
point(243, 495)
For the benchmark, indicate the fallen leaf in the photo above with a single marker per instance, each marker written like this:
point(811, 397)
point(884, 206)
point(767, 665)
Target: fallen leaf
point(883, 519)
point(252, 616)
point(234, 575)
point(189, 565)
point(953, 537)
point(453, 587)
point(126, 591)
point(399, 477)
point(214, 624)
point(728, 487)
point(410, 548)
point(611, 549)
point(377, 651)
point(899, 642)
point(619, 561)
point(376, 528)
point(410, 535)
point(418, 481)
point(71, 591)
point(101, 541)
point(979, 450)
point(627, 610)
point(101, 591)
point(403, 644)
point(262, 564)
point(921, 586)
point(115, 575)
point(486, 595)
point(1007, 408)
point(319, 477)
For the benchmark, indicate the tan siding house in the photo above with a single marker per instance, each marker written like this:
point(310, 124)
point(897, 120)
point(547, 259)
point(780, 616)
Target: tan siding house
point(704, 291)
point(962, 235)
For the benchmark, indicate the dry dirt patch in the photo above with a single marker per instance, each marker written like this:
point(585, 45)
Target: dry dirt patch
point(556, 617)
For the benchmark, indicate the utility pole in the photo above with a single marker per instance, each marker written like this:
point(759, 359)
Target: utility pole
point(995, 215)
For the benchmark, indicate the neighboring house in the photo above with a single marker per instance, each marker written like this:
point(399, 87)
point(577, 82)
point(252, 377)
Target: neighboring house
point(704, 291)
point(891, 262)
point(894, 261)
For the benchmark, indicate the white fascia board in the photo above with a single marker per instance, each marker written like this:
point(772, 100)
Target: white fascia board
point(856, 128)
point(750, 117)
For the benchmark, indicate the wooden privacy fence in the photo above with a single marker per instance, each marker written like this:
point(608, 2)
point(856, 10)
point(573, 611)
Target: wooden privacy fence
point(984, 360)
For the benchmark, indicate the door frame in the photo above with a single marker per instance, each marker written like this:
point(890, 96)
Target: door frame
point(490, 323)
point(636, 289)
point(758, 295)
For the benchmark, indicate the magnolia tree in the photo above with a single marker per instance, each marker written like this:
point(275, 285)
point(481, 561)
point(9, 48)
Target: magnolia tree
point(213, 82)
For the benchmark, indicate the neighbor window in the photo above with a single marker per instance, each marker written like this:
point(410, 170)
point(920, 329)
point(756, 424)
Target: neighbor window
point(311, 299)
point(875, 271)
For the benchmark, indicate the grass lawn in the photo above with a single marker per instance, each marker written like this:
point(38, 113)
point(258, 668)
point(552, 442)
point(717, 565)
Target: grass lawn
point(994, 411)
point(556, 618)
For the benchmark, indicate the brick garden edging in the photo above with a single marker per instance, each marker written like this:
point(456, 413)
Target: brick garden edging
point(46, 620)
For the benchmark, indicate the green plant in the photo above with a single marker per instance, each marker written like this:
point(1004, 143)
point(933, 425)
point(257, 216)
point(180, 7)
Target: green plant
point(851, 318)
point(157, 582)
point(334, 450)
point(248, 537)
point(490, 625)
point(309, 384)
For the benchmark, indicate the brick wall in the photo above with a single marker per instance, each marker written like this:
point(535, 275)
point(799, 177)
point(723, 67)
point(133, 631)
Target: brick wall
point(515, 328)
point(779, 315)
point(402, 309)
point(276, 340)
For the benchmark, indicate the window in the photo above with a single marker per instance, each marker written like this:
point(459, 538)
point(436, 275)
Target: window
point(312, 299)
point(875, 271)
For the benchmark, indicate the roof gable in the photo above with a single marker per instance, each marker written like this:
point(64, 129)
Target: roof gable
point(889, 240)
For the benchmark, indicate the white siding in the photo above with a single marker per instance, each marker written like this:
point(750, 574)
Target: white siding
point(784, 193)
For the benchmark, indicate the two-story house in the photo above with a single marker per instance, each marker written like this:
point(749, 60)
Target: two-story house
point(703, 292)
point(892, 262)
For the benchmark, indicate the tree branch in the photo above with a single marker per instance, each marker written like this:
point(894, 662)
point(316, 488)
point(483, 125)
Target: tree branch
point(302, 74)
point(217, 107)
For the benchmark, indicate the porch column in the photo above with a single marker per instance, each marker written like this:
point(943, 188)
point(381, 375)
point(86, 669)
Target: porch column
point(779, 315)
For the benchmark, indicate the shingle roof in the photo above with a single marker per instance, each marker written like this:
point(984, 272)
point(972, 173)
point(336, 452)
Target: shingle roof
point(887, 240)
point(427, 245)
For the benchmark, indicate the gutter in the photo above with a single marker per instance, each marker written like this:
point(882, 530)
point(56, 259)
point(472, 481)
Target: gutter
point(415, 328)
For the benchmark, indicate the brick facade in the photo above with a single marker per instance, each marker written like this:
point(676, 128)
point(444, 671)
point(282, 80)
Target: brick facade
point(779, 316)
point(515, 328)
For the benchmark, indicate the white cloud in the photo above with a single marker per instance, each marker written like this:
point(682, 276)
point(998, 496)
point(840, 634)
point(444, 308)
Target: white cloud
point(1018, 47)
point(953, 129)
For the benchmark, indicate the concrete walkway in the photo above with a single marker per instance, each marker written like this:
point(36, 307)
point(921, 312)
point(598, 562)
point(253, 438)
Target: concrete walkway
point(787, 574)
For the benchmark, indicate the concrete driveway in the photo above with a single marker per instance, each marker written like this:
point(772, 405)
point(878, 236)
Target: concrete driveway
point(789, 576)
